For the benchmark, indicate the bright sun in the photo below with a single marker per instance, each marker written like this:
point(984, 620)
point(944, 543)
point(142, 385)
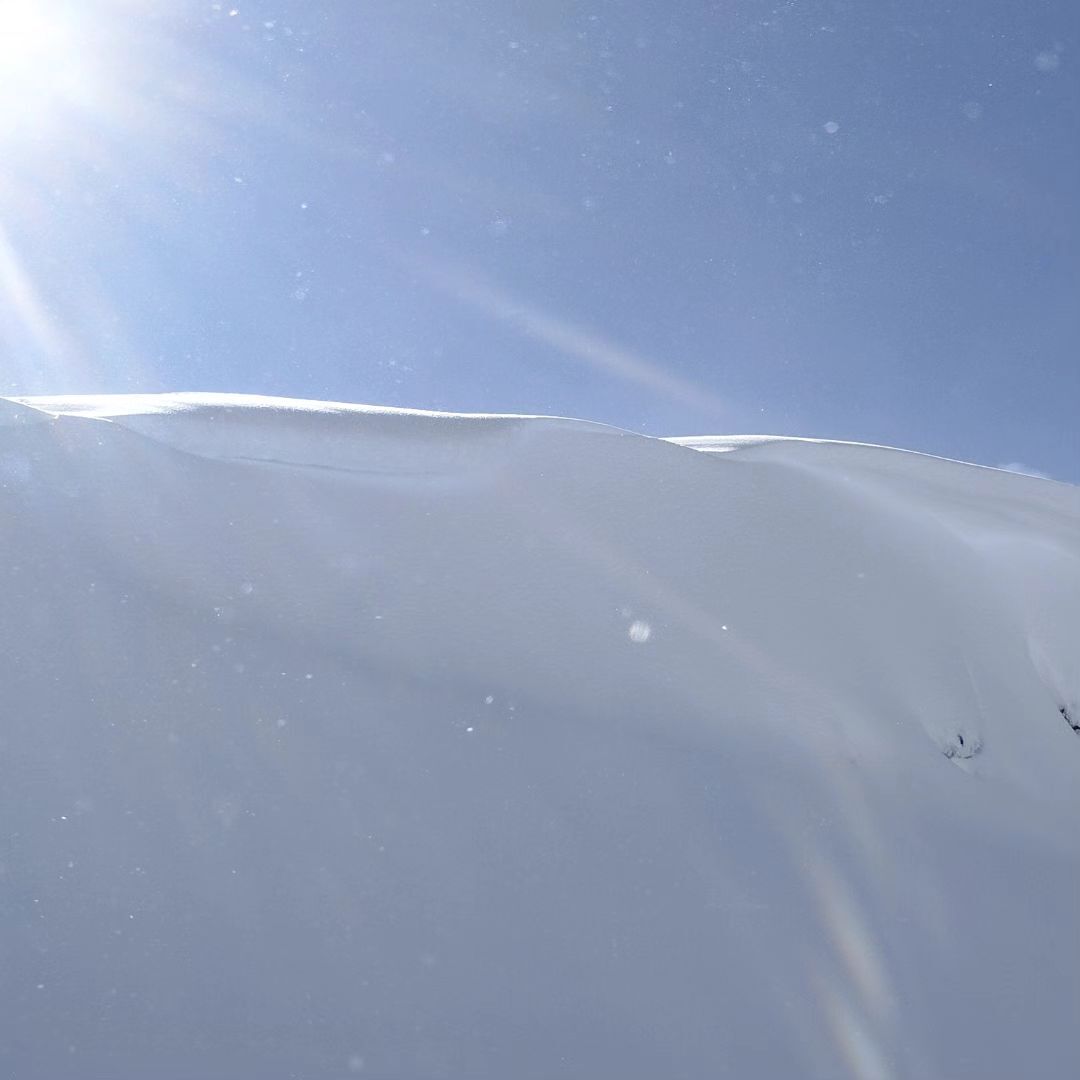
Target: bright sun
point(41, 66)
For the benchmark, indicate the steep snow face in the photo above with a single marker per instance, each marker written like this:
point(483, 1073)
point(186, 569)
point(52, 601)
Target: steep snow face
point(343, 741)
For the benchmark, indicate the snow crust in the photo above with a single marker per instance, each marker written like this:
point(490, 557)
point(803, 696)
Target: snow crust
point(341, 740)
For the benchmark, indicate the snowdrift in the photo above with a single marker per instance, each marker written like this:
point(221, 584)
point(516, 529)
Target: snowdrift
point(351, 741)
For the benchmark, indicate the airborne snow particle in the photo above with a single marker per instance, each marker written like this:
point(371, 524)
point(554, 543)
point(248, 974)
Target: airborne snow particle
point(639, 632)
point(831, 128)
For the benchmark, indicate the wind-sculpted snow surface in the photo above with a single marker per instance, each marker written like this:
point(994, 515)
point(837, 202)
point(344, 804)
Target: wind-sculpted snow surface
point(343, 741)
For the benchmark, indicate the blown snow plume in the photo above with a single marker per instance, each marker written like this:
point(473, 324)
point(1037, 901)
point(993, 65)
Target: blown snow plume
point(341, 740)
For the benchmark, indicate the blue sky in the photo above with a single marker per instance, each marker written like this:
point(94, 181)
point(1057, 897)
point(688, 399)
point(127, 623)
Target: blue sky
point(833, 219)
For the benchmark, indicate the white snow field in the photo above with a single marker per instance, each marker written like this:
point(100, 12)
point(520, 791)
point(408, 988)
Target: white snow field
point(344, 741)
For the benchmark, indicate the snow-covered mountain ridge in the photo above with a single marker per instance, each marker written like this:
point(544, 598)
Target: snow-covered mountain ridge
point(343, 739)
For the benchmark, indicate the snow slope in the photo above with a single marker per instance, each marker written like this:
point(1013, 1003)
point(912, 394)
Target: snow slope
point(347, 741)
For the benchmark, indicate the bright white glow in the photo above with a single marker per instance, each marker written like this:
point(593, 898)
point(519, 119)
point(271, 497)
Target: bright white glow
point(41, 65)
point(96, 96)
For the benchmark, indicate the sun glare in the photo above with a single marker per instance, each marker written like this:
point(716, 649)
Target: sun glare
point(112, 115)
point(41, 64)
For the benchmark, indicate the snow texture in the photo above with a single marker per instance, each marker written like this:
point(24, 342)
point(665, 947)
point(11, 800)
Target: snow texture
point(340, 740)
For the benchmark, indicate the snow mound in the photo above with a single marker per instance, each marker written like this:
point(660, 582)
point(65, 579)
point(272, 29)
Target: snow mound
point(342, 740)
point(313, 434)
